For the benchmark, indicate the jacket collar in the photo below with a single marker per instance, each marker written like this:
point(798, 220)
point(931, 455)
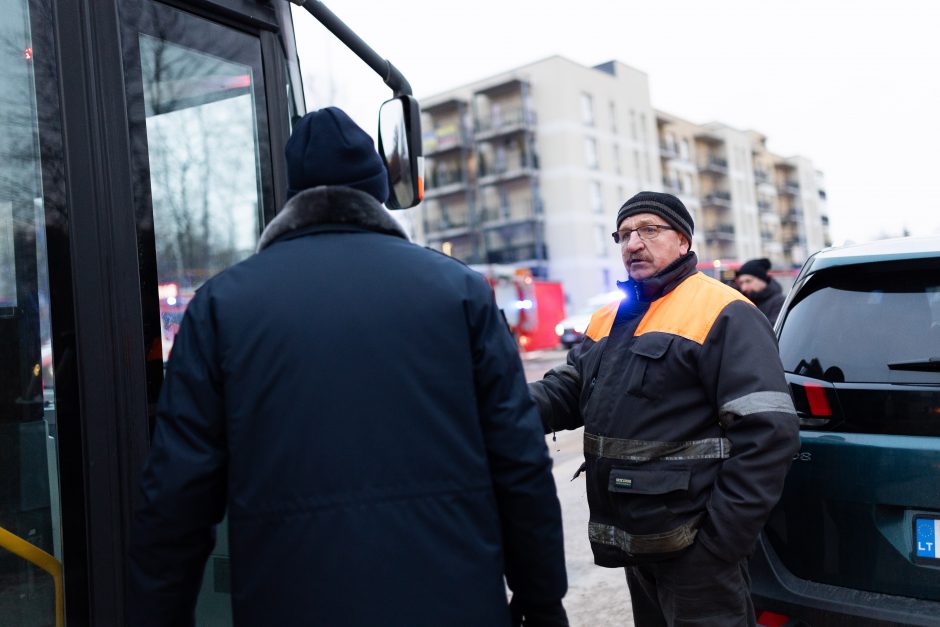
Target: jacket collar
point(334, 205)
point(663, 281)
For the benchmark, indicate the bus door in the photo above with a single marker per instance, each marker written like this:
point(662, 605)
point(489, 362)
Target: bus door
point(201, 148)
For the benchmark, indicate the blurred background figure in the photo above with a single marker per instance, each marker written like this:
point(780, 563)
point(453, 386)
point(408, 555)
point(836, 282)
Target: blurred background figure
point(754, 282)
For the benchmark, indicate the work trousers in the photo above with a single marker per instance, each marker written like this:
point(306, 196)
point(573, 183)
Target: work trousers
point(696, 588)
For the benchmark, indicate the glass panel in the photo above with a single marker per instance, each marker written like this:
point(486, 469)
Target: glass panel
point(204, 169)
point(828, 333)
point(30, 527)
point(208, 164)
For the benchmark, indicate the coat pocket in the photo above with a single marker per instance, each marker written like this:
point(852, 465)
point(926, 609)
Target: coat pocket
point(647, 367)
point(643, 500)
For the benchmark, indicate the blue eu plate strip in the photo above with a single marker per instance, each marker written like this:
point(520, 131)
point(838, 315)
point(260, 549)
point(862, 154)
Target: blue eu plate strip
point(928, 532)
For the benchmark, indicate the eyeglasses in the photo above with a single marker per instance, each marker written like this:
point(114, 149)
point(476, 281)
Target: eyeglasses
point(646, 233)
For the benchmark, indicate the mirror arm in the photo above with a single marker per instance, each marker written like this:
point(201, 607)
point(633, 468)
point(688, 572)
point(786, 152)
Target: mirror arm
point(383, 67)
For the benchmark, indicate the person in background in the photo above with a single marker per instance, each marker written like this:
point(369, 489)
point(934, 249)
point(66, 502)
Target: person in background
point(356, 406)
point(689, 428)
point(753, 280)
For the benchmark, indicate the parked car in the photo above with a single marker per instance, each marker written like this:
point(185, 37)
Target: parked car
point(854, 538)
point(571, 330)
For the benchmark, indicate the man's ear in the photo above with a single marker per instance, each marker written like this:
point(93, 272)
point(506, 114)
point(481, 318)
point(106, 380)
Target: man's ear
point(685, 244)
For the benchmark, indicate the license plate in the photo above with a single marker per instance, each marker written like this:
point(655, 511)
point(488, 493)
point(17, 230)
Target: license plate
point(926, 538)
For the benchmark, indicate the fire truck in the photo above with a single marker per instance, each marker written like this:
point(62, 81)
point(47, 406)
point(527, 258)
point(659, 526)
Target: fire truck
point(532, 307)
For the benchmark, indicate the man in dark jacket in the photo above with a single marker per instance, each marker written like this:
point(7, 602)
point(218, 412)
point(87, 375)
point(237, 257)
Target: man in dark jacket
point(753, 280)
point(357, 407)
point(688, 426)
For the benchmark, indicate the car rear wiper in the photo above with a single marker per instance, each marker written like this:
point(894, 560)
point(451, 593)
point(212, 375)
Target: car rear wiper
point(931, 364)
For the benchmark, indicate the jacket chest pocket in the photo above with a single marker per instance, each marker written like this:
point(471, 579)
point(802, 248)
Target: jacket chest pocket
point(647, 371)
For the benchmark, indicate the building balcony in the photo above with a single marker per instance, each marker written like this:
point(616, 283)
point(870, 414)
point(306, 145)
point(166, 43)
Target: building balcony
point(508, 122)
point(517, 254)
point(791, 188)
point(505, 173)
point(720, 199)
point(492, 217)
point(720, 232)
point(670, 186)
point(761, 176)
point(714, 165)
point(445, 184)
point(438, 144)
point(765, 205)
point(667, 152)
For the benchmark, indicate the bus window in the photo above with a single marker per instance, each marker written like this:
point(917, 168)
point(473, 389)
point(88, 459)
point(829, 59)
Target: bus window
point(30, 522)
point(201, 151)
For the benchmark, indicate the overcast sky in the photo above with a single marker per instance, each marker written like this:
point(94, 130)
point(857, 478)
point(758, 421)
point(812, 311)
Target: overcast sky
point(853, 86)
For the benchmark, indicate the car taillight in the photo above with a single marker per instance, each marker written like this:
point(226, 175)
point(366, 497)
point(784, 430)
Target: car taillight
point(772, 619)
point(815, 401)
point(818, 403)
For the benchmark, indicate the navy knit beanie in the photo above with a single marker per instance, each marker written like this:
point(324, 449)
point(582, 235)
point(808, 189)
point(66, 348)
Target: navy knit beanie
point(755, 267)
point(328, 148)
point(666, 206)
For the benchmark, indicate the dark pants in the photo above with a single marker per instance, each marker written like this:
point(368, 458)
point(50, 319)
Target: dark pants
point(695, 588)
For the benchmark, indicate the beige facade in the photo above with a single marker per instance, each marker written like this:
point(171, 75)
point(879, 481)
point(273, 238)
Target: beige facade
point(527, 169)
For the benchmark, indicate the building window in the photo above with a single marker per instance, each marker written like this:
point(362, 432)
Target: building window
point(587, 109)
point(600, 240)
point(613, 117)
point(617, 159)
point(597, 201)
point(590, 152)
point(684, 149)
point(633, 124)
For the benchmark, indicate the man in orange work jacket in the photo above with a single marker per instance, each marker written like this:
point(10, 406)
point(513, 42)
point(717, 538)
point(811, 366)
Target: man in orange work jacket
point(688, 425)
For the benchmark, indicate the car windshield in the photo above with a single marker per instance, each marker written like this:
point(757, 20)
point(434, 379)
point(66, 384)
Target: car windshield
point(869, 323)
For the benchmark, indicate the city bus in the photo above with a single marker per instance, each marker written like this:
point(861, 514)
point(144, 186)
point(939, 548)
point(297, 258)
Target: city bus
point(141, 152)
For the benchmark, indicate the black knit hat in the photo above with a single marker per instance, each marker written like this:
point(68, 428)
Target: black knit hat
point(328, 148)
point(667, 206)
point(755, 267)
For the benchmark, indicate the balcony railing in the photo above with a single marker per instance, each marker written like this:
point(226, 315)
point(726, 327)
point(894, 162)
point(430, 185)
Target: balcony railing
point(443, 182)
point(789, 187)
point(715, 165)
point(514, 212)
point(512, 167)
point(506, 122)
point(717, 199)
point(724, 232)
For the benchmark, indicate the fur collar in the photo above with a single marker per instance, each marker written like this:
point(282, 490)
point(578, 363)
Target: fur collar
point(330, 205)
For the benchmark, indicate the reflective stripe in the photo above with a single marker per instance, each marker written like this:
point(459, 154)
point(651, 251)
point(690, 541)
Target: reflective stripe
point(755, 403)
point(644, 450)
point(651, 543)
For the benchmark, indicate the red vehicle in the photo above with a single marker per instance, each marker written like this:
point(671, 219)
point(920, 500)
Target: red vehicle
point(532, 307)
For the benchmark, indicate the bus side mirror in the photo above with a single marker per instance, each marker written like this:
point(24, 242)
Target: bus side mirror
point(400, 147)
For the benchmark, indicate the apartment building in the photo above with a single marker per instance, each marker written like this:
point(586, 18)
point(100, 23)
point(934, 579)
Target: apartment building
point(526, 169)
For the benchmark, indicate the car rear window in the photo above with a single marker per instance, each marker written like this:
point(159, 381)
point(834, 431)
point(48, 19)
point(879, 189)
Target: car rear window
point(876, 323)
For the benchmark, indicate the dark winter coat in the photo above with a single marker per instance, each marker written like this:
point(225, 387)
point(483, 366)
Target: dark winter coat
point(688, 425)
point(769, 300)
point(357, 405)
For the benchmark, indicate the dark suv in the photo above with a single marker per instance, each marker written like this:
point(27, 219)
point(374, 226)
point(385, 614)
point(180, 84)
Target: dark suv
point(854, 538)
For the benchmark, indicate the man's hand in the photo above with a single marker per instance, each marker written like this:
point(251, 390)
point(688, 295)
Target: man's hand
point(529, 615)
